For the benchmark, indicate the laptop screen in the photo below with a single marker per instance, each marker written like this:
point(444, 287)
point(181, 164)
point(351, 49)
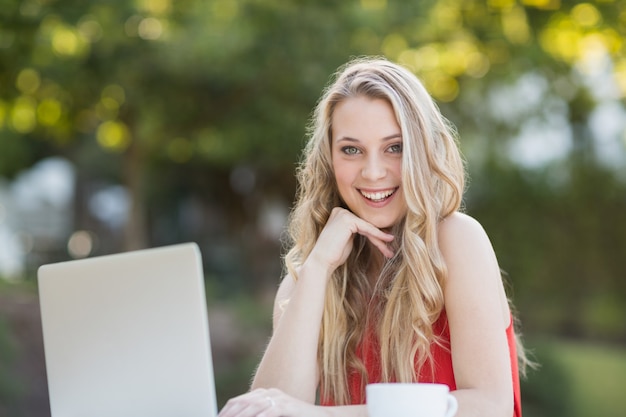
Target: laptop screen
point(127, 335)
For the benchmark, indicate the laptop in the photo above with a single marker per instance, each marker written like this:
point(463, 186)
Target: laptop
point(127, 335)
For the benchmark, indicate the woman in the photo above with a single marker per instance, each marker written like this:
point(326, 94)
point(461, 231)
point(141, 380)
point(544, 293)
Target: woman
point(387, 280)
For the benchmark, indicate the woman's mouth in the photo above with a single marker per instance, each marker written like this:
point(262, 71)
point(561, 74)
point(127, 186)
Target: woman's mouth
point(378, 196)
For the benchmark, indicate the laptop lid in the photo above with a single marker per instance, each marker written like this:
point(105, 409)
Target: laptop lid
point(127, 335)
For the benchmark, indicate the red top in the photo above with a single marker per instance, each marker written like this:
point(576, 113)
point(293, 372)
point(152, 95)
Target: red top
point(369, 352)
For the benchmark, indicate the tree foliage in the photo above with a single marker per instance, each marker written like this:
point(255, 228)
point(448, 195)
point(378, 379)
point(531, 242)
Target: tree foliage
point(175, 98)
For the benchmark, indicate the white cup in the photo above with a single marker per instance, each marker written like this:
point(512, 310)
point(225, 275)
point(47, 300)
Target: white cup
point(410, 400)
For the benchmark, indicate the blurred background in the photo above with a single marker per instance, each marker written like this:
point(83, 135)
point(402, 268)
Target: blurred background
point(127, 124)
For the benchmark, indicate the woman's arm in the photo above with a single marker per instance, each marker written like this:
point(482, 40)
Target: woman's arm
point(290, 360)
point(478, 316)
point(286, 380)
point(275, 403)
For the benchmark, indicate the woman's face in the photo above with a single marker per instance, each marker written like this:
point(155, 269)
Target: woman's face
point(366, 148)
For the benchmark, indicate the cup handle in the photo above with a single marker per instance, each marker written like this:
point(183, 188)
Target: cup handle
point(453, 405)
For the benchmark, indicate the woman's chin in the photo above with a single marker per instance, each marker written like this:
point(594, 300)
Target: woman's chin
point(382, 224)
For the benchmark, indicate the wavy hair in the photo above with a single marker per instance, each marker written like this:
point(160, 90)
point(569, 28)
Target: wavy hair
point(408, 293)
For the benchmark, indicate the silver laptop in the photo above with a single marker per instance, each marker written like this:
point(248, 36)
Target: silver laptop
point(127, 335)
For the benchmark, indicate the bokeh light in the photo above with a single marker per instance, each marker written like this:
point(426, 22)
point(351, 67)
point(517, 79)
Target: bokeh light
point(67, 41)
point(28, 81)
point(23, 114)
point(90, 28)
point(113, 135)
point(80, 244)
point(156, 7)
point(49, 112)
point(374, 4)
point(150, 29)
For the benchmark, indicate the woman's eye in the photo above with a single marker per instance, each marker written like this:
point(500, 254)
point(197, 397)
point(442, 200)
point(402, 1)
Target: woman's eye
point(350, 150)
point(396, 148)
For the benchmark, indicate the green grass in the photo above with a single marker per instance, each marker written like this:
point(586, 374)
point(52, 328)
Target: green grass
point(575, 379)
point(17, 287)
point(597, 377)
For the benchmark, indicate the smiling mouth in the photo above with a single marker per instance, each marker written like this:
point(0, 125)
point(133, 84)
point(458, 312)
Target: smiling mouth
point(378, 196)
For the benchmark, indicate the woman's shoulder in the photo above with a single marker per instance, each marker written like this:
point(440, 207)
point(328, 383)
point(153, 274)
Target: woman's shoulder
point(460, 226)
point(463, 240)
point(473, 275)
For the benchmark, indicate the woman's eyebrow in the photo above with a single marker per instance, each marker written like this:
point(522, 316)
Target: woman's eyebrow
point(394, 136)
point(384, 139)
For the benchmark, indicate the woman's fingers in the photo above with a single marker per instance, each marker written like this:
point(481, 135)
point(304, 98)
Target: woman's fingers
point(382, 246)
point(378, 238)
point(265, 403)
point(335, 242)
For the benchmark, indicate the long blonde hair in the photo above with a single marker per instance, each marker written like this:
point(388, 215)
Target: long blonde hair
point(408, 293)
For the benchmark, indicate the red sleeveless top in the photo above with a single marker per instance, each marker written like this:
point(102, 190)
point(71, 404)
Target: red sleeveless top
point(439, 371)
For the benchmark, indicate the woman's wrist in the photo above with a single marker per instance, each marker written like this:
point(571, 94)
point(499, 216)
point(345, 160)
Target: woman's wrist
point(316, 268)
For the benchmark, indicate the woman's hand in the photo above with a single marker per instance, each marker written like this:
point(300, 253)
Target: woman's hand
point(335, 242)
point(267, 403)
point(299, 309)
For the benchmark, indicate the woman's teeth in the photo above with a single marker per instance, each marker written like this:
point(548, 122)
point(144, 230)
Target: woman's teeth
point(378, 196)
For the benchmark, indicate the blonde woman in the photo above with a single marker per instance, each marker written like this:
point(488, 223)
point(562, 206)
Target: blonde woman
point(387, 280)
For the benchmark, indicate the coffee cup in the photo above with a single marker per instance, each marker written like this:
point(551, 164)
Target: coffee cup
point(409, 400)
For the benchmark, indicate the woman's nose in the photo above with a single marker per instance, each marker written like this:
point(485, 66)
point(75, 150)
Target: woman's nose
point(374, 169)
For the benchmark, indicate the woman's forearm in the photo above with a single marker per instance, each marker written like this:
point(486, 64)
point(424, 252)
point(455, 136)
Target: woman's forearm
point(478, 403)
point(290, 360)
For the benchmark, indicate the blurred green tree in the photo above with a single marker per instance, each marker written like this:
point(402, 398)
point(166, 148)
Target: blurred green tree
point(172, 98)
